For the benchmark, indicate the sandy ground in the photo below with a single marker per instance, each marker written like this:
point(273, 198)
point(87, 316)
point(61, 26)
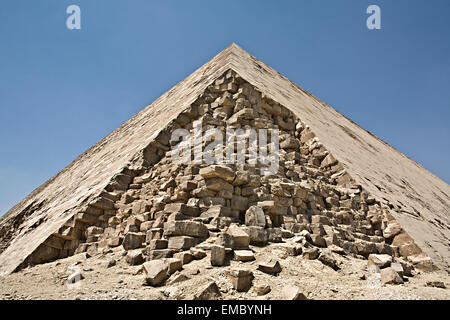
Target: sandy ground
point(122, 281)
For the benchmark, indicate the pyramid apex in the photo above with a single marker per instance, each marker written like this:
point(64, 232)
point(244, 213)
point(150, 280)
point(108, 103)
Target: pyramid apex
point(234, 46)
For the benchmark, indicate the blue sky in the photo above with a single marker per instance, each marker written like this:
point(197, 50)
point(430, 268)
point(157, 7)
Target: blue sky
point(63, 90)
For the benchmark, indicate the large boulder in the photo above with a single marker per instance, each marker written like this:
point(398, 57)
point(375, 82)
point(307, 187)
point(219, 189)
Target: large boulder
point(258, 235)
point(241, 240)
point(241, 279)
point(270, 267)
point(422, 262)
point(134, 257)
point(182, 208)
point(217, 184)
point(181, 242)
point(255, 217)
point(133, 240)
point(379, 260)
point(208, 292)
point(244, 255)
point(390, 276)
point(217, 171)
point(217, 255)
point(328, 259)
point(173, 265)
point(155, 272)
point(186, 228)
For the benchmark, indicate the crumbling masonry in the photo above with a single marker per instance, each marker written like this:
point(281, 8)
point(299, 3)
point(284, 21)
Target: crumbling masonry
point(337, 185)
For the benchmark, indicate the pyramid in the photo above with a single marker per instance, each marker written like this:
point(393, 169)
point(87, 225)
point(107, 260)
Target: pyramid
point(337, 185)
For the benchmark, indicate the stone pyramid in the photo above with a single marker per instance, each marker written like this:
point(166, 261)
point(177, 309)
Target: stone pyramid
point(337, 185)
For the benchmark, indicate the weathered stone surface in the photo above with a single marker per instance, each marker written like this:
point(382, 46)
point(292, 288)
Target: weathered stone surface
point(177, 216)
point(103, 203)
point(317, 240)
point(266, 205)
point(392, 230)
point(255, 217)
point(241, 178)
point(177, 278)
point(241, 240)
point(198, 253)
point(182, 208)
point(271, 267)
point(218, 211)
point(336, 249)
point(317, 228)
point(181, 242)
point(217, 255)
point(244, 255)
point(274, 234)
point(258, 236)
point(217, 171)
point(133, 240)
point(93, 231)
point(156, 244)
point(241, 279)
point(208, 292)
point(261, 289)
point(154, 233)
point(173, 265)
point(328, 161)
point(397, 267)
point(134, 257)
point(160, 254)
point(390, 276)
point(327, 258)
point(366, 248)
point(320, 220)
point(226, 240)
point(286, 234)
point(184, 256)
point(290, 143)
point(407, 267)
point(311, 253)
point(246, 113)
point(291, 249)
point(92, 250)
point(188, 186)
point(155, 272)
point(110, 263)
point(422, 262)
point(145, 226)
point(217, 184)
point(186, 228)
point(379, 260)
point(436, 284)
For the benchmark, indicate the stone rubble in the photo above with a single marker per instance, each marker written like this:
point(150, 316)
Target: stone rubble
point(165, 214)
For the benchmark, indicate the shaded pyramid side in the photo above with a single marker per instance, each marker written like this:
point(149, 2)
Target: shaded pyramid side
point(166, 209)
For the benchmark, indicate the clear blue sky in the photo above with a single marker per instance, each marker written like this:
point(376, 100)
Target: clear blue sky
point(63, 90)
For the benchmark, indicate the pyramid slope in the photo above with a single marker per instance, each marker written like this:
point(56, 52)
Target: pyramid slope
point(422, 200)
point(367, 161)
point(58, 199)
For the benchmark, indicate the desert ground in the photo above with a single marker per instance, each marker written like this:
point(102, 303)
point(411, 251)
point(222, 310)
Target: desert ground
point(107, 275)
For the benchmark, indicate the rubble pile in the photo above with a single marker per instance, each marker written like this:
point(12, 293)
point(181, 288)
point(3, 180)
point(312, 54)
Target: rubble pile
point(166, 214)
